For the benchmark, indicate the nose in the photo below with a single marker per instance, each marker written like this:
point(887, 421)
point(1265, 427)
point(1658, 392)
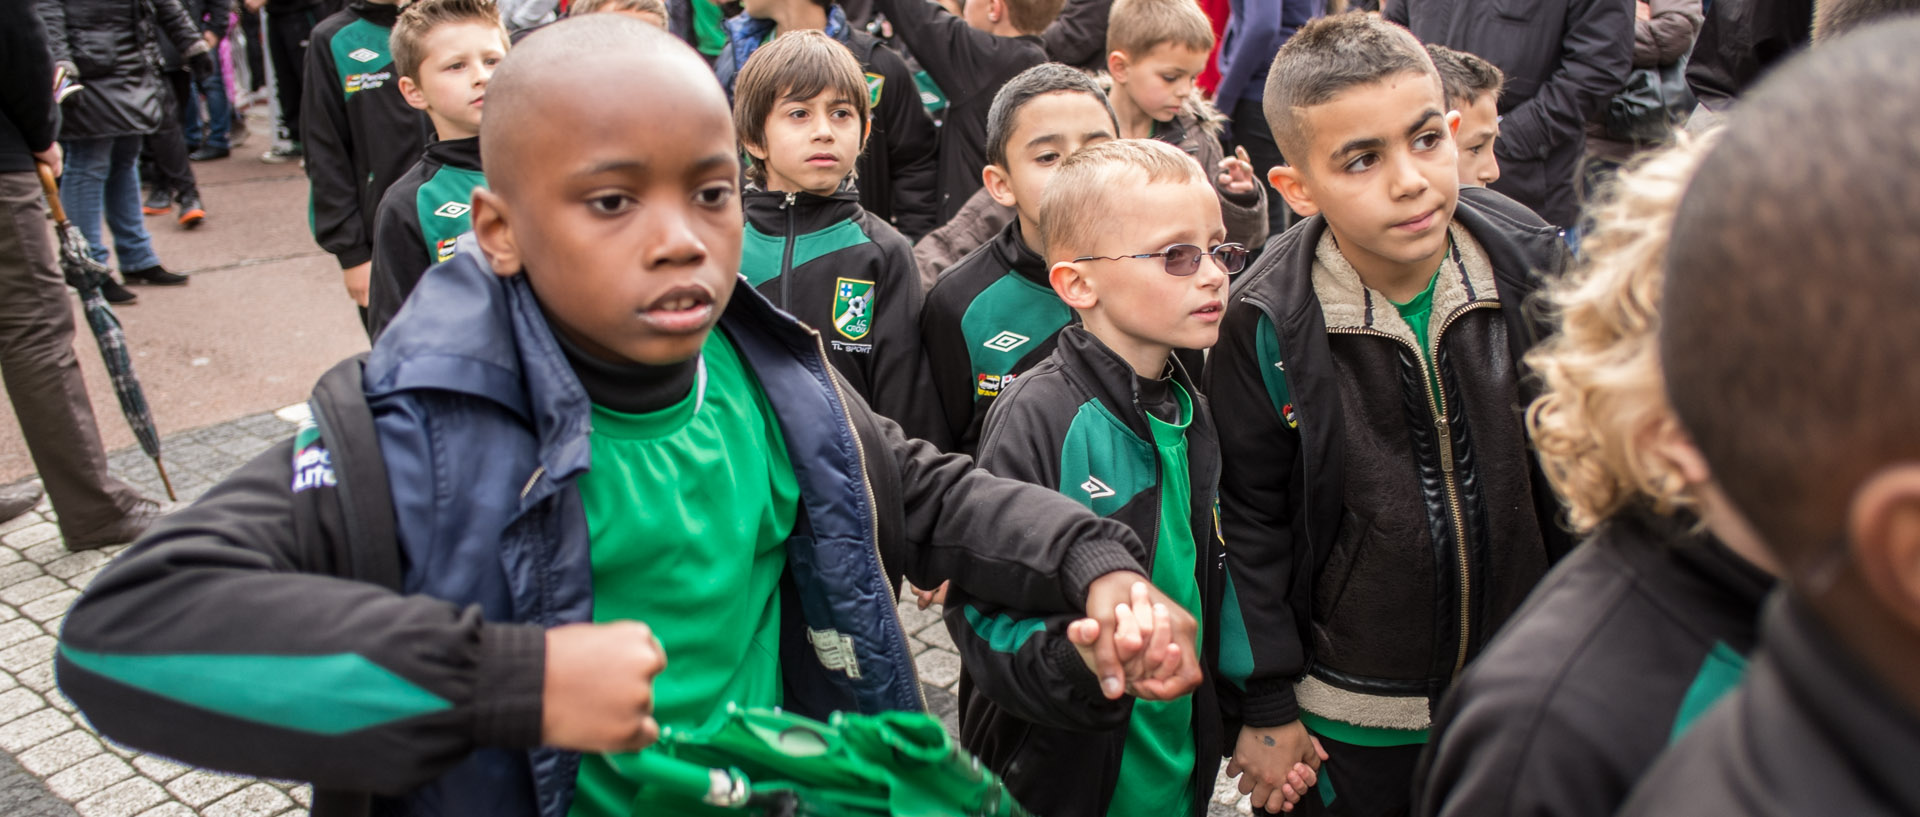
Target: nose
point(823, 128)
point(670, 239)
point(483, 74)
point(1490, 173)
point(1405, 179)
point(1212, 274)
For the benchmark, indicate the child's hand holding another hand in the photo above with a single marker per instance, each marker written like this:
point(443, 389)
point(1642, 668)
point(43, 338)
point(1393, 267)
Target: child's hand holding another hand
point(1276, 765)
point(1152, 641)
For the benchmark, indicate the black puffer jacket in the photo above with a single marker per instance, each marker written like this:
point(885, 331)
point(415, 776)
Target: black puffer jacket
point(114, 47)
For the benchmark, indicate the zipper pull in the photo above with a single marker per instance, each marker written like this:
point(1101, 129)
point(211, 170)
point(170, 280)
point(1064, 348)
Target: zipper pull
point(789, 202)
point(1445, 430)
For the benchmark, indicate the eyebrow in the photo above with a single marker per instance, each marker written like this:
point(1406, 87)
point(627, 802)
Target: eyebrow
point(703, 165)
point(1375, 143)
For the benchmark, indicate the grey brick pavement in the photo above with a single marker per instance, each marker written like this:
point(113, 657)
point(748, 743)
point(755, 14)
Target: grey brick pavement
point(52, 763)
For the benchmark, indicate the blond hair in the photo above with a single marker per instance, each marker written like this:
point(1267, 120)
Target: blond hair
point(1136, 27)
point(407, 42)
point(1604, 392)
point(1073, 209)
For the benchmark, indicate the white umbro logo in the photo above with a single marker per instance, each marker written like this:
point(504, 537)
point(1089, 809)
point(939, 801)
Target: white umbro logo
point(452, 209)
point(363, 54)
point(1006, 341)
point(1095, 488)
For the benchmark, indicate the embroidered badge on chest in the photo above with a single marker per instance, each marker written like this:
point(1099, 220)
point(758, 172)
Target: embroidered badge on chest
point(853, 308)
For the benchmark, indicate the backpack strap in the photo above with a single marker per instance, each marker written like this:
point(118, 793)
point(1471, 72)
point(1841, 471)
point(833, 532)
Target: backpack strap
point(371, 552)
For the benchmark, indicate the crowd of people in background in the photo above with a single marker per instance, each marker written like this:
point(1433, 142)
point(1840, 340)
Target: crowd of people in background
point(1423, 407)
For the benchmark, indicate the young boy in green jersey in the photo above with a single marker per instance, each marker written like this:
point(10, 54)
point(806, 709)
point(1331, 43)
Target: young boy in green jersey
point(593, 452)
point(1472, 86)
point(359, 132)
point(1136, 247)
point(993, 314)
point(1377, 483)
point(801, 109)
point(444, 51)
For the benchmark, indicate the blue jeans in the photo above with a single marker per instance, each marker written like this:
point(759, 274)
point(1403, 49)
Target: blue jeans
point(103, 179)
point(213, 132)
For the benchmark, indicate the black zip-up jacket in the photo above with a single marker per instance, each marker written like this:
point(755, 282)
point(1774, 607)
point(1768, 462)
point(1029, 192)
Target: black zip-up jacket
point(991, 317)
point(419, 218)
point(1624, 644)
point(398, 549)
point(114, 47)
point(849, 275)
point(969, 65)
point(28, 118)
point(1563, 60)
point(1344, 492)
point(1033, 711)
point(360, 134)
point(1809, 732)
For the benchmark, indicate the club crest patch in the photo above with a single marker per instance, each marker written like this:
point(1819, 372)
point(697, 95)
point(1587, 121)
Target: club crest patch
point(875, 84)
point(852, 308)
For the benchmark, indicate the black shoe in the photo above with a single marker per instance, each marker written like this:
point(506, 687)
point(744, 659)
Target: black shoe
point(117, 294)
point(191, 213)
point(209, 154)
point(17, 501)
point(155, 276)
point(159, 202)
point(129, 528)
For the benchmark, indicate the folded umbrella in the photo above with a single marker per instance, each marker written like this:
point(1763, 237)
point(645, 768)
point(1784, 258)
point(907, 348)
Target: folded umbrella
point(85, 274)
point(776, 763)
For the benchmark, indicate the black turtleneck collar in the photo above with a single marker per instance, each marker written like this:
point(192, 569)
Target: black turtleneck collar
point(629, 388)
point(383, 14)
point(769, 211)
point(460, 153)
point(1019, 257)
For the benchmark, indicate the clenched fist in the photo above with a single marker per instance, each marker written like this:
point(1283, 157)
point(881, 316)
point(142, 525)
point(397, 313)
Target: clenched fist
point(599, 687)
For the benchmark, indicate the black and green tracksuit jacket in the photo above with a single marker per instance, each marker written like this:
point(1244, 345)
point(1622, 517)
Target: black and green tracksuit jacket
point(419, 219)
point(1030, 708)
point(360, 135)
point(850, 275)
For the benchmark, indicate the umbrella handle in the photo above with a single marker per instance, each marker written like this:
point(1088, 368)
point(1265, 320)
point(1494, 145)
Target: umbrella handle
point(53, 192)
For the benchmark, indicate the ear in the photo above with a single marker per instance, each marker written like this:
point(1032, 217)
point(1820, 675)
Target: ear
point(758, 152)
point(1670, 442)
point(1117, 67)
point(1453, 123)
point(1883, 528)
point(999, 186)
point(1070, 282)
point(1292, 186)
point(410, 91)
point(490, 228)
point(867, 132)
point(996, 11)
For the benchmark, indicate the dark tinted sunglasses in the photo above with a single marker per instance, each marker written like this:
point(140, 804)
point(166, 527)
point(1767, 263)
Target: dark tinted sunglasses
point(1184, 259)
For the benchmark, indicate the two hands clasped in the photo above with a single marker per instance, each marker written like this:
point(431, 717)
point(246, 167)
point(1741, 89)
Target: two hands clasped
point(598, 692)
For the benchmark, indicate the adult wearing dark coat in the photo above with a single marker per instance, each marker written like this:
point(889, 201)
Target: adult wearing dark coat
point(36, 317)
point(1563, 60)
point(112, 48)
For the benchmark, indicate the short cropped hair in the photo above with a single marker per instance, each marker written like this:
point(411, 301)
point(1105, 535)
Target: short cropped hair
point(1040, 80)
point(797, 65)
point(1328, 56)
point(1463, 76)
point(408, 40)
point(1601, 369)
point(579, 7)
point(1032, 16)
point(1788, 345)
point(1831, 18)
point(1073, 208)
point(1136, 27)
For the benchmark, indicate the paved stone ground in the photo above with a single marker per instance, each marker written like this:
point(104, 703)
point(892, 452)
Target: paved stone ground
point(52, 763)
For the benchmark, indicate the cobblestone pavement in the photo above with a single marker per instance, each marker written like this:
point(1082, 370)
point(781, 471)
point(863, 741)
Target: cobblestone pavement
point(52, 763)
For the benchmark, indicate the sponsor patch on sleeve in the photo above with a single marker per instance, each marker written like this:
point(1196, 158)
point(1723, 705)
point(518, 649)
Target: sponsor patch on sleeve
point(312, 463)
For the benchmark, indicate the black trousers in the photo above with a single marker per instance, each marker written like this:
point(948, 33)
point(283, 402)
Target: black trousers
point(287, 34)
point(256, 50)
point(1250, 131)
point(1363, 781)
point(167, 147)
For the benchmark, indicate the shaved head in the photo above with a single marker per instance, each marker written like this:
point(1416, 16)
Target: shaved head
point(568, 63)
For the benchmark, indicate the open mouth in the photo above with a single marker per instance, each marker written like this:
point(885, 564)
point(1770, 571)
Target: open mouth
point(681, 310)
point(1211, 312)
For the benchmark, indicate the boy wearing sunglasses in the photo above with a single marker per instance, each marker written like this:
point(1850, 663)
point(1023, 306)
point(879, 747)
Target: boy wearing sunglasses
point(1112, 420)
point(1376, 482)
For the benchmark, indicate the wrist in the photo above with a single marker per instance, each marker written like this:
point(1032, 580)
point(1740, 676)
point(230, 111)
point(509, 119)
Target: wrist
point(1091, 560)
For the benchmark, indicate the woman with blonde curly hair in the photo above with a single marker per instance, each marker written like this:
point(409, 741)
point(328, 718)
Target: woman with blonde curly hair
point(1649, 621)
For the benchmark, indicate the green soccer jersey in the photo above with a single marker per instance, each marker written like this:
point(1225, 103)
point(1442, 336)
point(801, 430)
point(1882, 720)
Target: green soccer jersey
point(688, 509)
point(1156, 767)
point(1418, 313)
